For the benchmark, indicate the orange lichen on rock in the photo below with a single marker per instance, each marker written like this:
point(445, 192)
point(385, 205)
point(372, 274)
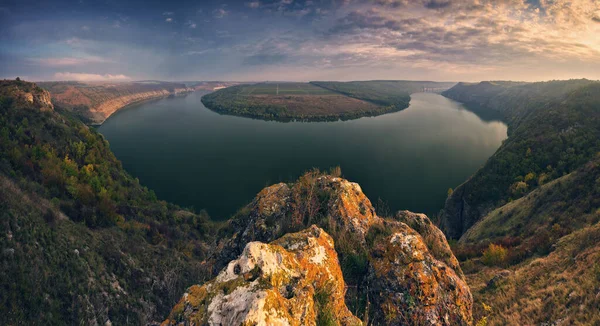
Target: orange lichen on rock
point(271, 284)
point(411, 286)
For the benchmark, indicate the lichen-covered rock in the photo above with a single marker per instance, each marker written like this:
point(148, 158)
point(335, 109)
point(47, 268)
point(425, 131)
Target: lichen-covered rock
point(330, 202)
point(295, 280)
point(434, 238)
point(408, 285)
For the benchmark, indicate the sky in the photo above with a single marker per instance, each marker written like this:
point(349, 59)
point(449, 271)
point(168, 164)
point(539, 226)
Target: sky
point(300, 40)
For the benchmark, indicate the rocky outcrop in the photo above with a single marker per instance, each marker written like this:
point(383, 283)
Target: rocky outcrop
point(402, 266)
point(434, 238)
point(295, 280)
point(27, 94)
point(409, 286)
point(330, 202)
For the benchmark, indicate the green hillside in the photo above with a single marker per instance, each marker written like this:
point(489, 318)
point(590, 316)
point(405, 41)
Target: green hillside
point(85, 242)
point(554, 128)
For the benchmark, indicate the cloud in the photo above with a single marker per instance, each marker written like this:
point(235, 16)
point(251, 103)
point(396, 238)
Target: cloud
point(490, 34)
point(253, 4)
point(437, 4)
point(220, 13)
point(89, 77)
point(265, 59)
point(169, 19)
point(190, 24)
point(68, 61)
point(168, 13)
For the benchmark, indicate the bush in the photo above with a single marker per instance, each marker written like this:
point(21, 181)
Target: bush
point(494, 255)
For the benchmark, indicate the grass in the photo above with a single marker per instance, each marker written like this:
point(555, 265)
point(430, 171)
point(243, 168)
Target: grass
point(561, 287)
point(286, 88)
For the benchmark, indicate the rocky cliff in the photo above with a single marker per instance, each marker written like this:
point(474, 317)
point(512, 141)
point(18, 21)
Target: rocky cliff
point(26, 94)
point(95, 102)
point(394, 272)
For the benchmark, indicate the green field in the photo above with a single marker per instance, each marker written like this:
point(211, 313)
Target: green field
point(316, 101)
point(284, 88)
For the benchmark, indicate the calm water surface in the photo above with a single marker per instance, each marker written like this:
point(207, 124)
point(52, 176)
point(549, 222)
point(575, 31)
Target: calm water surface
point(197, 158)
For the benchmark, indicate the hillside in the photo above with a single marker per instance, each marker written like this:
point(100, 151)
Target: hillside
point(95, 102)
point(528, 220)
point(554, 128)
point(82, 241)
point(316, 101)
point(549, 239)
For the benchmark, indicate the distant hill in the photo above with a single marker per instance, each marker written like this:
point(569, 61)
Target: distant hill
point(94, 102)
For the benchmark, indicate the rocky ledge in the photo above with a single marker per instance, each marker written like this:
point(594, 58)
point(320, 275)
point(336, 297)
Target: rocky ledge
point(323, 235)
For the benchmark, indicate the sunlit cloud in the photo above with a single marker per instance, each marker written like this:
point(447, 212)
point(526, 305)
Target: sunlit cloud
point(351, 39)
point(89, 77)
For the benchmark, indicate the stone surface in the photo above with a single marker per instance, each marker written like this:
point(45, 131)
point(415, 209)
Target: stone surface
point(408, 285)
point(330, 202)
point(295, 280)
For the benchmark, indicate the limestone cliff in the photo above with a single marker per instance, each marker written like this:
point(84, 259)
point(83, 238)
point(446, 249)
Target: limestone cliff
point(396, 269)
point(95, 102)
point(295, 280)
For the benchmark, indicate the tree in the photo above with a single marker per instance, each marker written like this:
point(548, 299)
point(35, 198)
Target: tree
point(18, 79)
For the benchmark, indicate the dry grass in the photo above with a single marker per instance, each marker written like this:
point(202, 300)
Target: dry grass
point(561, 288)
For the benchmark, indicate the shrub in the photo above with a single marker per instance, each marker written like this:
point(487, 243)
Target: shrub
point(494, 255)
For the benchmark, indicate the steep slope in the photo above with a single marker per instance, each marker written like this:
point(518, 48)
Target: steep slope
point(95, 102)
point(561, 288)
point(81, 241)
point(394, 273)
point(554, 128)
point(533, 258)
